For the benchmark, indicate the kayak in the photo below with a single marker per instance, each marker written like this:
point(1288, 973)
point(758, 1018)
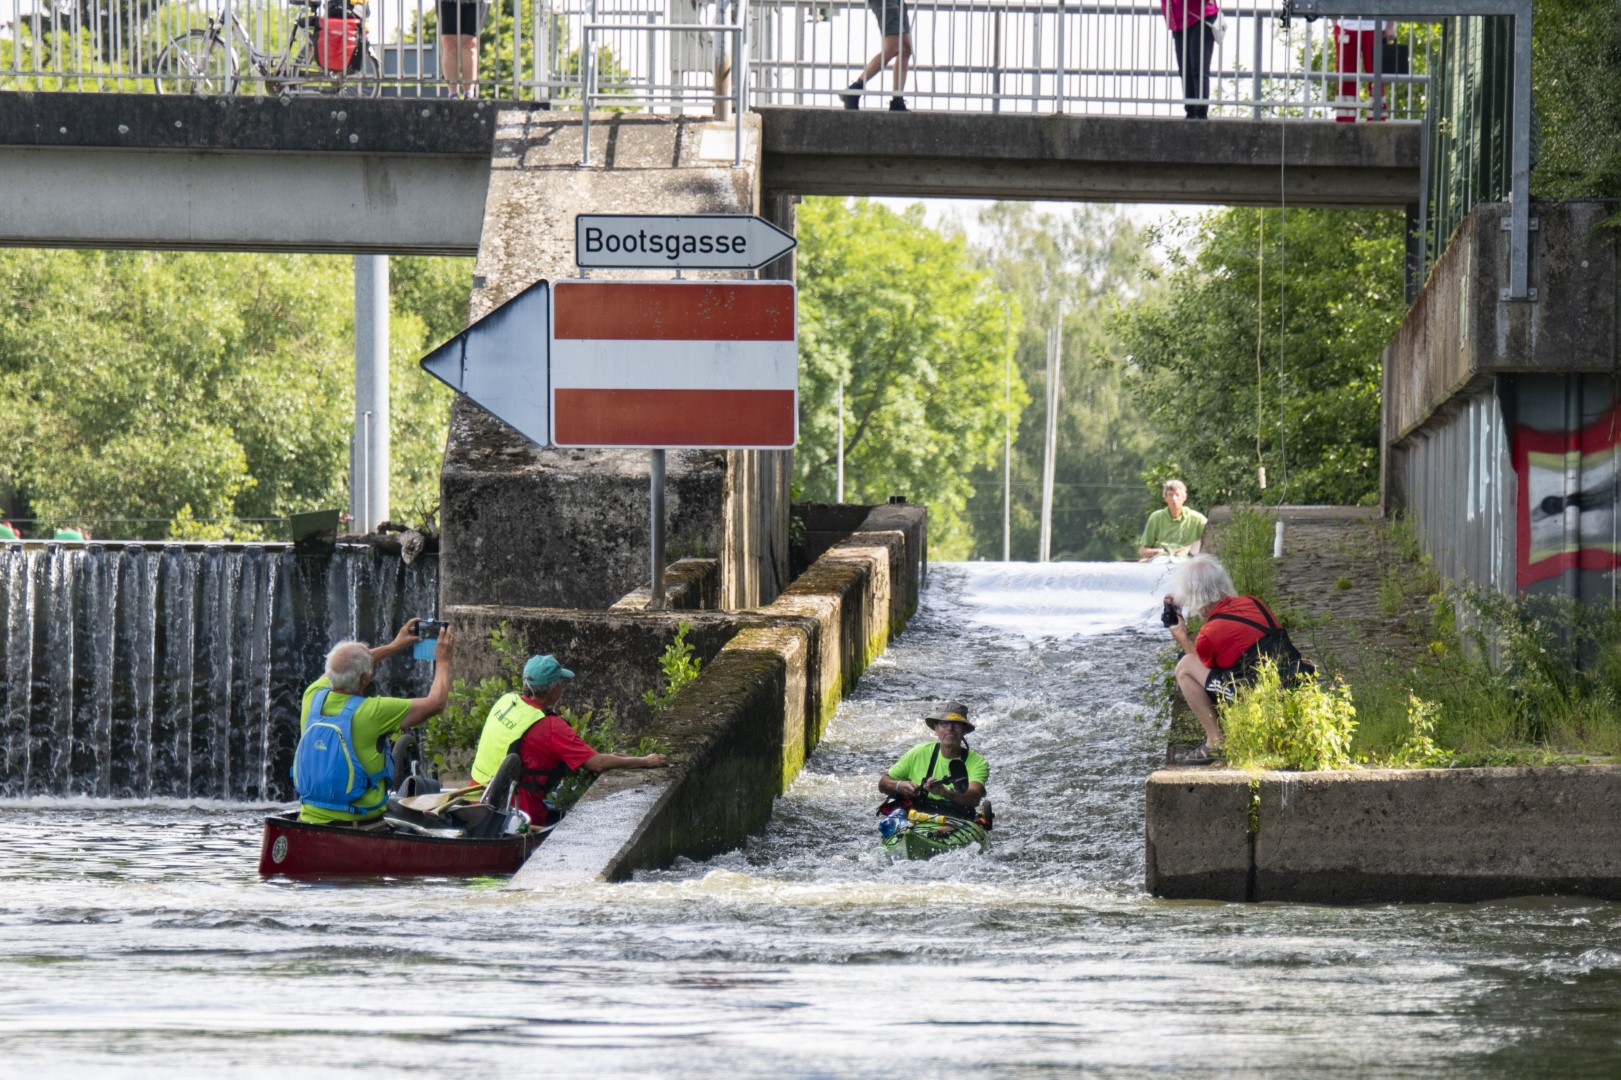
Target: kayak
point(297, 849)
point(927, 838)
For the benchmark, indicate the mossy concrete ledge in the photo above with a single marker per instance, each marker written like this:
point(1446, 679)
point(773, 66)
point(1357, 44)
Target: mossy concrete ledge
point(1383, 835)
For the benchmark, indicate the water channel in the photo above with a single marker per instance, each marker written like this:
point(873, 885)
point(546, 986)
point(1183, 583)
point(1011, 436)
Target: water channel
point(139, 940)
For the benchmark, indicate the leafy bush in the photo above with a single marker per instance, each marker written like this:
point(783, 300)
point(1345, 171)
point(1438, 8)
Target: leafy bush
point(1306, 728)
point(680, 668)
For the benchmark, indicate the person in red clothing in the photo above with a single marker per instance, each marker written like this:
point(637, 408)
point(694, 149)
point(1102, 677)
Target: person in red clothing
point(1202, 589)
point(524, 724)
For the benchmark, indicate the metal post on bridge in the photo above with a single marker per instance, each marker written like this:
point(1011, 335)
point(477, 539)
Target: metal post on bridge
point(1519, 222)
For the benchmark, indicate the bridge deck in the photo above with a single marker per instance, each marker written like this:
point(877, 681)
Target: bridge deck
point(404, 176)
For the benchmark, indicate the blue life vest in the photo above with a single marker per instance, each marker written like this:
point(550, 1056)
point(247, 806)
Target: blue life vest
point(326, 771)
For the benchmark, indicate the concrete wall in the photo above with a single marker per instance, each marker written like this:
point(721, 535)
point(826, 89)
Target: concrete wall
point(1382, 835)
point(1500, 418)
point(739, 734)
point(539, 527)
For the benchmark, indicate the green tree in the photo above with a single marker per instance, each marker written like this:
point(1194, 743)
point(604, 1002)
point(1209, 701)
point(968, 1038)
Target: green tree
point(1262, 349)
point(901, 316)
point(138, 389)
point(1082, 262)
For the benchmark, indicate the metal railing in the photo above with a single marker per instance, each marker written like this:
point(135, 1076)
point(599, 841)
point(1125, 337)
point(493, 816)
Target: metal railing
point(671, 56)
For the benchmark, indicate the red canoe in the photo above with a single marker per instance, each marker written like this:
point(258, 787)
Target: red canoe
point(294, 848)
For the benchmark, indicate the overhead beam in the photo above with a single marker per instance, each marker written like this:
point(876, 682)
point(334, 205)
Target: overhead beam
point(1093, 158)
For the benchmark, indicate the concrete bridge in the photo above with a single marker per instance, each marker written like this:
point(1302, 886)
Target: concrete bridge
point(408, 176)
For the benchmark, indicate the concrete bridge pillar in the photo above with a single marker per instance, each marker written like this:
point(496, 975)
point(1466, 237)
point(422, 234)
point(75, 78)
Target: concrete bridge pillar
point(537, 527)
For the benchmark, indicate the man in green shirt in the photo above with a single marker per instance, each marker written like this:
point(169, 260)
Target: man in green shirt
point(349, 669)
point(1175, 530)
point(922, 776)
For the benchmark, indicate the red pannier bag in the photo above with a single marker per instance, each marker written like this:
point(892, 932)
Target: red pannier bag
point(335, 42)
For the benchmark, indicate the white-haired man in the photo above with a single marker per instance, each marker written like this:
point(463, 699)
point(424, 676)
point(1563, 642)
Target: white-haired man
point(1174, 530)
point(1237, 632)
point(344, 733)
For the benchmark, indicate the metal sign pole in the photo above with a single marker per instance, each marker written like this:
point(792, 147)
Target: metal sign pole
point(656, 531)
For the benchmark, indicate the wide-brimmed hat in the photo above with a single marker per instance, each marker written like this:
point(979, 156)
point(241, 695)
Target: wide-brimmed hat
point(951, 710)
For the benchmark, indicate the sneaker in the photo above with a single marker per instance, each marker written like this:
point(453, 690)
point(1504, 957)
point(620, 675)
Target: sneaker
point(1202, 755)
point(851, 101)
point(898, 104)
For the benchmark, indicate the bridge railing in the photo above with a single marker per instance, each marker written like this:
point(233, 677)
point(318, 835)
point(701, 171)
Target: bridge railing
point(1030, 56)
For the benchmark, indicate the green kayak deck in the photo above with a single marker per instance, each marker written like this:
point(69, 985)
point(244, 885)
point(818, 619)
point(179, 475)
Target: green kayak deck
point(926, 839)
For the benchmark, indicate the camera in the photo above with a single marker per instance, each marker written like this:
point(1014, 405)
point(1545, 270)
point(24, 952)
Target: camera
point(1168, 615)
point(429, 628)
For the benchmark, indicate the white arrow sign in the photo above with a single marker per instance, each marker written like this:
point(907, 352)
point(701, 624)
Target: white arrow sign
point(678, 241)
point(503, 362)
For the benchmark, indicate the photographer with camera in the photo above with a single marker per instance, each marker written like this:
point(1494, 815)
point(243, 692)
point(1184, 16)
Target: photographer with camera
point(1238, 632)
point(342, 768)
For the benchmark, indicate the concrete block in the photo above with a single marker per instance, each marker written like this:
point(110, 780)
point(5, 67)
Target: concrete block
point(1439, 834)
point(1198, 834)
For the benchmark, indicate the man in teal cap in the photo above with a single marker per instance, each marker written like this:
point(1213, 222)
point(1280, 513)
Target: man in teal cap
point(524, 724)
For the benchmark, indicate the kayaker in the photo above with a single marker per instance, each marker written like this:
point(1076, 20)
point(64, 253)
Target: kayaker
point(371, 720)
point(922, 779)
point(525, 724)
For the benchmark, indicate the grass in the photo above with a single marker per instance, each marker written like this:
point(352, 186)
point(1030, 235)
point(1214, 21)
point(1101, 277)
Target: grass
point(1464, 677)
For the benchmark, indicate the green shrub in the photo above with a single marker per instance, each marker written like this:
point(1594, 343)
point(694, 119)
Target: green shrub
point(1306, 728)
point(680, 668)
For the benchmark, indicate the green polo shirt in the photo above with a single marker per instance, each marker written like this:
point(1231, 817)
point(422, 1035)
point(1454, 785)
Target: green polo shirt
point(1173, 534)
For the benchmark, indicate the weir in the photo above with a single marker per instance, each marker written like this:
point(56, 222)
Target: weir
point(144, 671)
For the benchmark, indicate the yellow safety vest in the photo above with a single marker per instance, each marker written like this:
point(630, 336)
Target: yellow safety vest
point(508, 720)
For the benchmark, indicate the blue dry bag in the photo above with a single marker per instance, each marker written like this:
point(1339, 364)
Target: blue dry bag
point(326, 772)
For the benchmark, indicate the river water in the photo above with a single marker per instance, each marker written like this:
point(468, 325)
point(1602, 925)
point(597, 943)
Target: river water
point(139, 941)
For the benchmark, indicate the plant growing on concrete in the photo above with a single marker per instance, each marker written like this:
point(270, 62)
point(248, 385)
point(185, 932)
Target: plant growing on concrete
point(680, 668)
point(1307, 728)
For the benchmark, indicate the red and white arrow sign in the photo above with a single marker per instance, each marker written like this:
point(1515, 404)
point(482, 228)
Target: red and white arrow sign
point(674, 364)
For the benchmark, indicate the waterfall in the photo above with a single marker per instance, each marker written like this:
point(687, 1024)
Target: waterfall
point(176, 671)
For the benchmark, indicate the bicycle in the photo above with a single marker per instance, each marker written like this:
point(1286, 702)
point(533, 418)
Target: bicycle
point(327, 53)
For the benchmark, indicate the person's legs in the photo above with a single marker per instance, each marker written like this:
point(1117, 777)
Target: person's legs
point(1181, 44)
point(1206, 50)
point(450, 60)
point(1355, 57)
point(1190, 679)
point(901, 49)
point(468, 45)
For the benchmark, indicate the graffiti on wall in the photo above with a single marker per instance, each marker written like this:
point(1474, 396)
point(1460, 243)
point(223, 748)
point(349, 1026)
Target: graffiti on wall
point(1567, 506)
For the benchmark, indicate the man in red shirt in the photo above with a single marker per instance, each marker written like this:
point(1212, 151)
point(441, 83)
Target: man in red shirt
point(524, 724)
point(1202, 589)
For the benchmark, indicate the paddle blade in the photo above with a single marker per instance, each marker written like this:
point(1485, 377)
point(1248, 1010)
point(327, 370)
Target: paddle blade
point(958, 769)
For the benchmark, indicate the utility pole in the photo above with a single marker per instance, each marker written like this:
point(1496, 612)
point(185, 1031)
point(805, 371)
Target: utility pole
point(1055, 349)
point(840, 497)
point(1007, 434)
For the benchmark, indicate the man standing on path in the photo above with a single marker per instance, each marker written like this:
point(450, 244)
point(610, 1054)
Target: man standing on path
point(1175, 530)
point(524, 724)
point(335, 703)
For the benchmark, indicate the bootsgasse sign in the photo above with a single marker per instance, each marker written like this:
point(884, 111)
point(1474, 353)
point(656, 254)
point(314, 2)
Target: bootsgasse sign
point(677, 241)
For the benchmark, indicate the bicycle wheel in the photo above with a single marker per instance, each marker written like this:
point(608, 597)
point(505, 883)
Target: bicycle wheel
point(196, 62)
point(365, 79)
